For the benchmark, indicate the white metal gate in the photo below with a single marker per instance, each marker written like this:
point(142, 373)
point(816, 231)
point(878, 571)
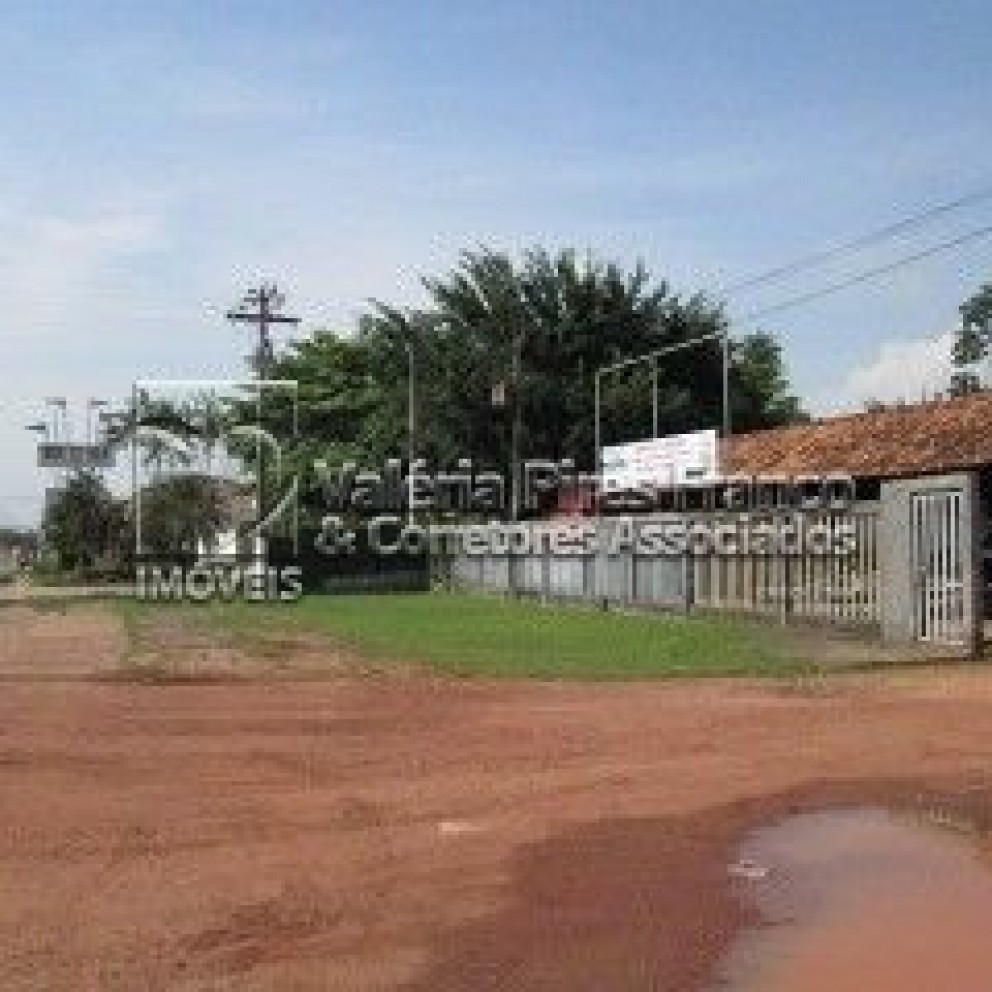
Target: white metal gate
point(938, 565)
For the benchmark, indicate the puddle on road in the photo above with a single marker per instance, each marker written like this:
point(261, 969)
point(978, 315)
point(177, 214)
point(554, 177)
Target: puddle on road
point(862, 899)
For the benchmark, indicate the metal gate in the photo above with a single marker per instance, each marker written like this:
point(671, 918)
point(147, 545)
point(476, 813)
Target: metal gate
point(938, 565)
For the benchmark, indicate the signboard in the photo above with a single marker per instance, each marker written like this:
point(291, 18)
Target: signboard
point(662, 461)
point(61, 454)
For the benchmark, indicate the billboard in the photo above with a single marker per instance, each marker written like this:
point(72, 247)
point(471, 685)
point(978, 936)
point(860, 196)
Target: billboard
point(661, 461)
point(62, 454)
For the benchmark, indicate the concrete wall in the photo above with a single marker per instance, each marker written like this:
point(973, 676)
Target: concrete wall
point(840, 590)
point(816, 590)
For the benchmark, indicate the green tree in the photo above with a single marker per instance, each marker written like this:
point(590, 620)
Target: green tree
point(971, 344)
point(179, 512)
point(506, 355)
point(539, 330)
point(759, 393)
point(80, 522)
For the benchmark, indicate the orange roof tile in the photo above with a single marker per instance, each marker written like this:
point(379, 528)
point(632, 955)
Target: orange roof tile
point(902, 440)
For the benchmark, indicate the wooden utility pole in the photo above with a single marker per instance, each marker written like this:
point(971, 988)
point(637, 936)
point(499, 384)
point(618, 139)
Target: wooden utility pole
point(261, 306)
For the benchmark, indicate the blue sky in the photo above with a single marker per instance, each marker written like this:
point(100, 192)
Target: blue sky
point(154, 162)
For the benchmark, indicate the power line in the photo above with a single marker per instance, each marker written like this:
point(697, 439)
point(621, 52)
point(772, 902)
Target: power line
point(869, 274)
point(819, 256)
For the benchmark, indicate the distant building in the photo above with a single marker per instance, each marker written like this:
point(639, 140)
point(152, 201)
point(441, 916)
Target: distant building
point(16, 549)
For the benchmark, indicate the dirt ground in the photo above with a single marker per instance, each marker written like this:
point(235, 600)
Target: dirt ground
point(376, 830)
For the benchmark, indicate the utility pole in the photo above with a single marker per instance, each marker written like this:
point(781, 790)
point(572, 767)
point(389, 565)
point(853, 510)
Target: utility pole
point(261, 307)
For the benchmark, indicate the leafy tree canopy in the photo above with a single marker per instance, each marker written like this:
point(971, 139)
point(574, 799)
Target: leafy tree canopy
point(84, 523)
point(529, 335)
point(971, 344)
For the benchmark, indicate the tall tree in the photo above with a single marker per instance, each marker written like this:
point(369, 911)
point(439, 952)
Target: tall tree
point(538, 331)
point(81, 522)
point(759, 393)
point(971, 344)
point(505, 355)
point(184, 512)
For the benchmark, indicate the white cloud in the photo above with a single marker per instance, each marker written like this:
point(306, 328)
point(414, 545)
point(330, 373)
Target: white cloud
point(51, 267)
point(64, 281)
point(902, 370)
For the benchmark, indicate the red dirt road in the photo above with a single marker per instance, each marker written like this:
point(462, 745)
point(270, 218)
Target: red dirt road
point(368, 831)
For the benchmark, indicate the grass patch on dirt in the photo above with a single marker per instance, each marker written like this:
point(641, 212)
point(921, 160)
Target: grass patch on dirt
point(476, 635)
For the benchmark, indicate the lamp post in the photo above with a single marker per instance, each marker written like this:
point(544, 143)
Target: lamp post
point(499, 396)
point(91, 405)
point(42, 430)
point(411, 424)
point(60, 413)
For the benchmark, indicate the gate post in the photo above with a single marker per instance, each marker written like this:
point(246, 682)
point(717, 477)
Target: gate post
point(895, 585)
point(973, 518)
point(902, 592)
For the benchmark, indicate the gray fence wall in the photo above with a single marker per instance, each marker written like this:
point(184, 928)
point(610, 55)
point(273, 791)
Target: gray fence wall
point(837, 588)
point(911, 569)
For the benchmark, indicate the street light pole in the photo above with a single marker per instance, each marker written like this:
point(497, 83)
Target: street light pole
point(654, 396)
point(411, 426)
point(726, 387)
point(595, 406)
point(498, 396)
point(135, 493)
point(515, 427)
point(59, 405)
point(91, 405)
